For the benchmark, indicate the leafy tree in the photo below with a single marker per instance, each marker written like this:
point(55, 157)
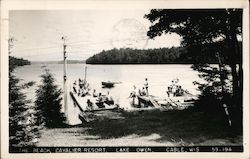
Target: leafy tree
point(22, 128)
point(48, 102)
point(206, 33)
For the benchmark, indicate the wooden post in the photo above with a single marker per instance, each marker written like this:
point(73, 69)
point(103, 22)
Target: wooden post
point(65, 79)
point(85, 73)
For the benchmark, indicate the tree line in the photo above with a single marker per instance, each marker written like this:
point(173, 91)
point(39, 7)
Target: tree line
point(173, 55)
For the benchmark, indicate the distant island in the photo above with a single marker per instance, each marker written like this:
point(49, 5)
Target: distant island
point(136, 56)
point(59, 62)
point(14, 61)
point(72, 62)
point(174, 55)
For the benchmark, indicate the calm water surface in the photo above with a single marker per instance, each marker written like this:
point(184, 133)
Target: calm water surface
point(159, 77)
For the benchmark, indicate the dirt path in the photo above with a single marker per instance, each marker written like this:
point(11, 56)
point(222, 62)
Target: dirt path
point(80, 137)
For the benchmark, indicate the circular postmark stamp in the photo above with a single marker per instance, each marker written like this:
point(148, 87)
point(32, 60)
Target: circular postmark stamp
point(129, 33)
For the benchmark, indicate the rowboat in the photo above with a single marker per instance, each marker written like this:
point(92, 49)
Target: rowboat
point(108, 84)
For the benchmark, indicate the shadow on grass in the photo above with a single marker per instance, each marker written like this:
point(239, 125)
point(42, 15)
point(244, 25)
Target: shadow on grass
point(187, 125)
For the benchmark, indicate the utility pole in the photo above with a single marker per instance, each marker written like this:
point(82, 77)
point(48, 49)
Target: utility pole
point(65, 78)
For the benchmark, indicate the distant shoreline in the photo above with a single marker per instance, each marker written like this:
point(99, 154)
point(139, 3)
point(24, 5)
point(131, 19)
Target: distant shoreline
point(59, 62)
point(56, 62)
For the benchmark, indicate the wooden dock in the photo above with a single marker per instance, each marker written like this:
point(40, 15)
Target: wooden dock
point(166, 103)
point(86, 114)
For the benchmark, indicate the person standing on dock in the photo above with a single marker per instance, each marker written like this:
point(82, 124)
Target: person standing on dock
point(94, 93)
point(74, 87)
point(146, 86)
point(143, 92)
point(133, 95)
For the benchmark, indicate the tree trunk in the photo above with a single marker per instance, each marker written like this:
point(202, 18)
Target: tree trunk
point(235, 59)
point(240, 71)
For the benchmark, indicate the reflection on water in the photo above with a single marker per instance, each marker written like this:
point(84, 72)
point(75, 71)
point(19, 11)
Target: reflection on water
point(159, 78)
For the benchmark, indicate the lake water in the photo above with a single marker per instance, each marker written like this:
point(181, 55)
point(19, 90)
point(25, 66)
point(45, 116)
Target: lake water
point(159, 78)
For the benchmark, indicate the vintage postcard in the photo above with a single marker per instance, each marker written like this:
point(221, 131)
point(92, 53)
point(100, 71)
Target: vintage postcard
point(124, 79)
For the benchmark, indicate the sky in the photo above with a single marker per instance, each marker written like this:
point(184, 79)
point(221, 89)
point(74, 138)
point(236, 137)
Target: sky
point(38, 34)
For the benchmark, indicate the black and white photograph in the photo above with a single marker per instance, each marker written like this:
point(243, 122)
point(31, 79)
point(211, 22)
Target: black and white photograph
point(134, 80)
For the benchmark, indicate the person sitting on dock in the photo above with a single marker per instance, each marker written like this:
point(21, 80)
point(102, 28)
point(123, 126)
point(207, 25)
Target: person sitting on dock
point(81, 84)
point(89, 105)
point(109, 99)
point(84, 92)
point(146, 86)
point(169, 91)
point(133, 95)
point(99, 98)
point(84, 82)
point(143, 92)
point(94, 93)
point(86, 86)
point(139, 92)
point(80, 90)
point(179, 91)
point(74, 87)
point(174, 88)
point(99, 101)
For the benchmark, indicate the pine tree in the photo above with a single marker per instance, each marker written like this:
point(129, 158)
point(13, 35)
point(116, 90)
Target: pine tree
point(22, 128)
point(48, 102)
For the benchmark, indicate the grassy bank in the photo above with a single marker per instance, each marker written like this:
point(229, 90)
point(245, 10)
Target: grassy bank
point(172, 128)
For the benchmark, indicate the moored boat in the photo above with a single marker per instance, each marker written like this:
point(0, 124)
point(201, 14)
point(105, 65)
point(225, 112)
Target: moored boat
point(108, 84)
